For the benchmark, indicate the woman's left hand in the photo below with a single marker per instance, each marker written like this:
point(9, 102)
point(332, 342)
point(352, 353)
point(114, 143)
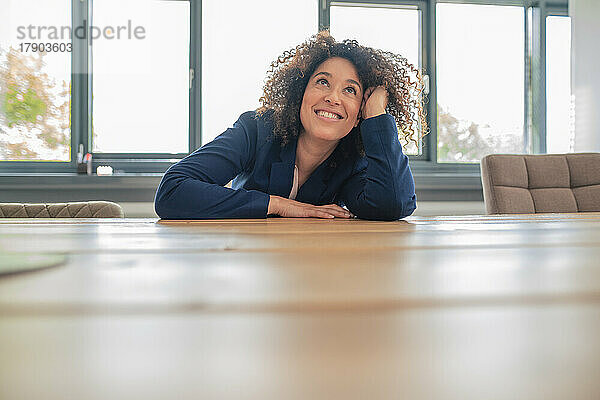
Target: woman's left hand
point(374, 102)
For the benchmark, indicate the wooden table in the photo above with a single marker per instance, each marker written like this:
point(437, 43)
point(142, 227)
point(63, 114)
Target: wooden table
point(482, 307)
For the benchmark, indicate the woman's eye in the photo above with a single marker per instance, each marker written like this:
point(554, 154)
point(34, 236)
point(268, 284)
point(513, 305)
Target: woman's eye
point(350, 89)
point(322, 81)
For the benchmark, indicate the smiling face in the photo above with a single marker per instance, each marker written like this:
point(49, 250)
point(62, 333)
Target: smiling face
point(332, 100)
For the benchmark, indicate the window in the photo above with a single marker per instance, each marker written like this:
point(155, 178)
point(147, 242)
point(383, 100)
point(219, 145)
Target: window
point(498, 74)
point(392, 28)
point(559, 111)
point(237, 52)
point(395, 28)
point(35, 81)
point(480, 81)
point(140, 80)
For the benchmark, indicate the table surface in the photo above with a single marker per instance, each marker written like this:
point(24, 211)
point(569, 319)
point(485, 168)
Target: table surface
point(471, 307)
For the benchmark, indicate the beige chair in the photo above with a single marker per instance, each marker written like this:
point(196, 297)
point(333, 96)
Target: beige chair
point(515, 184)
point(87, 209)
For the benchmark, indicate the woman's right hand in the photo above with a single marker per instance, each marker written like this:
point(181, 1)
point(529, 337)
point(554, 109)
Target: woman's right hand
point(295, 209)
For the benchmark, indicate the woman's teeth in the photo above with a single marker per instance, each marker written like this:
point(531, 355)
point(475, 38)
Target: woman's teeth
point(328, 115)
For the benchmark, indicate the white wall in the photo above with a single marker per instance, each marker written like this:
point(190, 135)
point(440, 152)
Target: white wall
point(585, 80)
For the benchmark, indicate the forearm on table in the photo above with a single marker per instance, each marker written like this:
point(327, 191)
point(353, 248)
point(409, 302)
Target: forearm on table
point(194, 199)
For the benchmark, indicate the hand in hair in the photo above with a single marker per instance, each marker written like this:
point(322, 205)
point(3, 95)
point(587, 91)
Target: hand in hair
point(375, 101)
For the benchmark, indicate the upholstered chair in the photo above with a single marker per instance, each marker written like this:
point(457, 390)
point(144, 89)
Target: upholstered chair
point(87, 209)
point(549, 183)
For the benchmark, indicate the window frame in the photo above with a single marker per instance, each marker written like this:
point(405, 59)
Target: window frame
point(82, 107)
point(433, 166)
point(425, 164)
point(78, 13)
point(141, 163)
point(535, 89)
point(540, 10)
point(534, 100)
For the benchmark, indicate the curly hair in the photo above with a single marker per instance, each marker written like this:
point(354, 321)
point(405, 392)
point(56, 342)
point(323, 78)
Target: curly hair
point(289, 75)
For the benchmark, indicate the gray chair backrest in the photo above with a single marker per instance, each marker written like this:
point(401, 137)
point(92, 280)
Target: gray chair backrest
point(87, 209)
point(519, 184)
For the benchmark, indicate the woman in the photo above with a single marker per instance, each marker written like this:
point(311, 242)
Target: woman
point(321, 145)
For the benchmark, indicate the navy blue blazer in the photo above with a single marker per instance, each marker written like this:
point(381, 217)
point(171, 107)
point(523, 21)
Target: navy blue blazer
point(378, 185)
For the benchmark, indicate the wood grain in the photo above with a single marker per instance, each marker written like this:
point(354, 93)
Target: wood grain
point(469, 307)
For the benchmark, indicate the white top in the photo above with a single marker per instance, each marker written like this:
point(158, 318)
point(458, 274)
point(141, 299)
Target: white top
point(294, 191)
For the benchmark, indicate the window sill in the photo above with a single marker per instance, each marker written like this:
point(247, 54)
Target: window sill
point(61, 187)
point(57, 187)
point(448, 186)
